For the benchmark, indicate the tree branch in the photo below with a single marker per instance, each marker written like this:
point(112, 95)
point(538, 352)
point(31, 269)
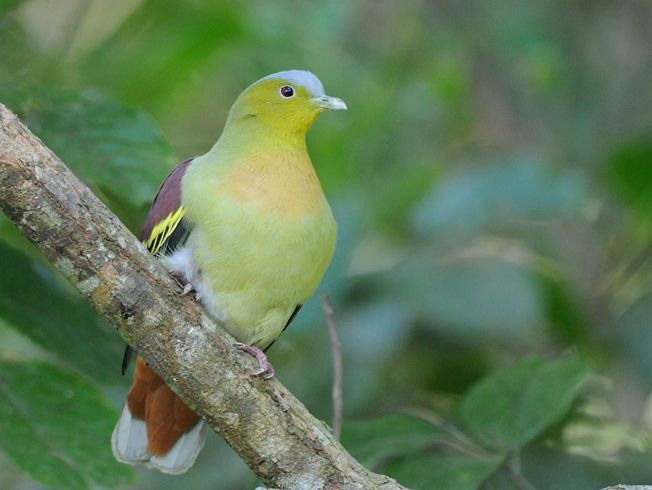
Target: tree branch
point(268, 427)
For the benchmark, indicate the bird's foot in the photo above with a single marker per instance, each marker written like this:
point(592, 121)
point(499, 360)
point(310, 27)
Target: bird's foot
point(190, 289)
point(186, 287)
point(265, 367)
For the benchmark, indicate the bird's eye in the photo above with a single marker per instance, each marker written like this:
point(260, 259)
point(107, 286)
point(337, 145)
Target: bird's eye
point(287, 91)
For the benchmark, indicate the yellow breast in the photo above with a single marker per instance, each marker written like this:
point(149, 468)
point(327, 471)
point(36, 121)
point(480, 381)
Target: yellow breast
point(263, 236)
point(285, 186)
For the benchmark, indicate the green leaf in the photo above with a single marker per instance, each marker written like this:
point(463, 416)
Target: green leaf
point(634, 328)
point(630, 172)
point(462, 295)
point(10, 235)
point(373, 441)
point(562, 309)
point(510, 408)
point(37, 303)
point(490, 195)
point(501, 480)
point(471, 298)
point(107, 145)
point(16, 346)
point(548, 467)
point(161, 49)
point(445, 471)
point(16, 48)
point(57, 427)
point(7, 5)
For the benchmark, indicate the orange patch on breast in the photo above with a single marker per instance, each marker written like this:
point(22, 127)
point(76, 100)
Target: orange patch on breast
point(287, 185)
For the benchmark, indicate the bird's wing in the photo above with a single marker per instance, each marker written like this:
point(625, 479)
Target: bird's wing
point(164, 228)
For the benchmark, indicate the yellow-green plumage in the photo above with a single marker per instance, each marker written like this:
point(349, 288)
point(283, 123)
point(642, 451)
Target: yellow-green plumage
point(263, 232)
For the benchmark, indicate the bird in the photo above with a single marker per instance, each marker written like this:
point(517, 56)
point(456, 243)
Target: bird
point(247, 228)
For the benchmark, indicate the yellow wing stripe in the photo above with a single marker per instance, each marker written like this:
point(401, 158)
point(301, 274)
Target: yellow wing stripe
point(163, 230)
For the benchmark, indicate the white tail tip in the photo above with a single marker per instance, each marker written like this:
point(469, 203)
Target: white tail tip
point(129, 445)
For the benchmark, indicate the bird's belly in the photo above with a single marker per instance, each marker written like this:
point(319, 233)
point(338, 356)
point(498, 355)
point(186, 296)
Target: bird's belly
point(261, 265)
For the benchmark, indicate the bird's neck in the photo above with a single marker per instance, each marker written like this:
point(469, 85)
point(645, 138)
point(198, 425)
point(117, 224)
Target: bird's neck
point(247, 135)
point(258, 148)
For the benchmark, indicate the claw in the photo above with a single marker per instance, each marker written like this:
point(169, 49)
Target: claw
point(190, 289)
point(265, 367)
point(186, 287)
point(180, 280)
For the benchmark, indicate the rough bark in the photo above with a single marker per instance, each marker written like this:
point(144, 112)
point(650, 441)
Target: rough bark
point(271, 430)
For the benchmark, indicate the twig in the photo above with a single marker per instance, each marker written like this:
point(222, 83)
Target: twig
point(459, 441)
point(336, 352)
point(447, 427)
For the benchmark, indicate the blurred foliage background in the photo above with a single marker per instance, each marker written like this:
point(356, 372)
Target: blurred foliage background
point(492, 181)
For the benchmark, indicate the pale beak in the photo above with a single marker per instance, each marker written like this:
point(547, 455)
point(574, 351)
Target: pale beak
point(330, 103)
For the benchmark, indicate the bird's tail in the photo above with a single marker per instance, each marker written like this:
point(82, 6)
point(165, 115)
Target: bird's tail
point(129, 445)
point(155, 428)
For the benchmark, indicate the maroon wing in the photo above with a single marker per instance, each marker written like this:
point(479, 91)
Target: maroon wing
point(166, 203)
